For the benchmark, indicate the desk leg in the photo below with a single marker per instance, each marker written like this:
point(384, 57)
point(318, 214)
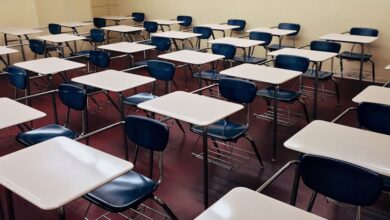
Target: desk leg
point(6, 44)
point(295, 187)
point(199, 70)
point(280, 41)
point(10, 204)
point(122, 117)
point(317, 66)
point(53, 98)
point(61, 213)
point(22, 47)
point(108, 37)
point(175, 43)
point(205, 170)
point(275, 127)
point(361, 66)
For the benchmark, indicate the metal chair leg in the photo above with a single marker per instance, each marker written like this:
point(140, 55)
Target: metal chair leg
point(341, 68)
point(255, 150)
point(358, 212)
point(165, 207)
point(180, 126)
point(305, 110)
point(135, 154)
point(337, 91)
point(373, 70)
point(312, 200)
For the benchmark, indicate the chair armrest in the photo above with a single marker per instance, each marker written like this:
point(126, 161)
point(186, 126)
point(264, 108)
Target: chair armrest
point(204, 88)
point(304, 46)
point(345, 32)
point(223, 23)
point(134, 68)
point(343, 114)
point(243, 36)
point(274, 27)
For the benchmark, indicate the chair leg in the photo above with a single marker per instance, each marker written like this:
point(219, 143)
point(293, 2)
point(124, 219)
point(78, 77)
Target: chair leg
point(312, 200)
point(358, 212)
point(305, 110)
point(255, 150)
point(216, 146)
point(165, 207)
point(341, 68)
point(180, 126)
point(337, 91)
point(373, 70)
point(135, 154)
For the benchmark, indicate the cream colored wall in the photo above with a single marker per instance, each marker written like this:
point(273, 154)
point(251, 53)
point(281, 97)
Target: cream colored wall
point(18, 12)
point(317, 17)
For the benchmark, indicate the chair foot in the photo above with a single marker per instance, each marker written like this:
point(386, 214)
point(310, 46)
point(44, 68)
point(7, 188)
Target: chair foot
point(165, 207)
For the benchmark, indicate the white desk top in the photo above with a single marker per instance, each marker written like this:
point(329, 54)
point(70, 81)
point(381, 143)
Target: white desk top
point(113, 80)
point(243, 203)
point(60, 38)
point(19, 31)
point(167, 21)
point(237, 42)
point(117, 18)
point(74, 24)
point(312, 55)
point(57, 171)
point(361, 147)
point(192, 108)
point(51, 65)
point(349, 38)
point(220, 27)
point(387, 67)
point(374, 94)
point(273, 31)
point(6, 50)
point(15, 113)
point(191, 57)
point(275, 76)
point(180, 35)
point(123, 28)
point(126, 47)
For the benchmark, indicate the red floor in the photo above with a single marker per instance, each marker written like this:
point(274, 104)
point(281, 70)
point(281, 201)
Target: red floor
point(182, 187)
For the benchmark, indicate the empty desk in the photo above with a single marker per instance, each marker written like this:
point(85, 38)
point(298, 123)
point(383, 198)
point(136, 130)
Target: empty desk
point(220, 27)
point(117, 19)
point(373, 94)
point(177, 35)
point(127, 48)
point(74, 25)
point(6, 51)
point(124, 30)
point(60, 39)
point(280, 33)
point(166, 22)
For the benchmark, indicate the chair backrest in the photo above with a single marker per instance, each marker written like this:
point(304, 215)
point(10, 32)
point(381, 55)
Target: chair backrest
point(147, 133)
point(73, 96)
point(341, 181)
point(237, 90)
point(291, 62)
point(205, 32)
point(99, 58)
point(17, 77)
point(187, 20)
point(99, 22)
point(37, 46)
point(262, 36)
point(237, 22)
point(161, 70)
point(138, 16)
point(370, 32)
point(290, 26)
point(97, 35)
point(325, 46)
point(374, 117)
point(161, 43)
point(151, 26)
point(227, 50)
point(54, 28)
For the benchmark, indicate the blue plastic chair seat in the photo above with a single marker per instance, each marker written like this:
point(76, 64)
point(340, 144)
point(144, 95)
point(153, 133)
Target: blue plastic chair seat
point(211, 75)
point(138, 98)
point(354, 56)
point(386, 183)
point(274, 47)
point(124, 192)
point(283, 95)
point(45, 133)
point(322, 75)
point(249, 59)
point(222, 130)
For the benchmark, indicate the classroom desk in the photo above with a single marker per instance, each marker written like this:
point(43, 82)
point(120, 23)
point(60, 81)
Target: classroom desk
point(166, 22)
point(244, 203)
point(177, 35)
point(74, 25)
point(61, 38)
point(194, 109)
point(6, 51)
point(374, 94)
point(58, 171)
point(117, 19)
point(354, 39)
point(118, 82)
point(127, 48)
point(15, 113)
point(19, 32)
point(280, 33)
point(387, 67)
point(273, 76)
point(124, 30)
point(238, 43)
point(317, 57)
point(48, 67)
point(193, 58)
point(220, 27)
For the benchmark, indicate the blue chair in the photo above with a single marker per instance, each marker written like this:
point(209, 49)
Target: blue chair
point(228, 51)
point(237, 91)
point(260, 36)
point(352, 56)
point(374, 117)
point(19, 79)
point(289, 62)
point(99, 22)
point(54, 28)
point(205, 32)
point(324, 46)
point(132, 188)
point(162, 44)
point(187, 21)
point(150, 28)
point(237, 22)
point(138, 17)
point(95, 37)
point(340, 181)
point(38, 47)
point(74, 98)
point(286, 26)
